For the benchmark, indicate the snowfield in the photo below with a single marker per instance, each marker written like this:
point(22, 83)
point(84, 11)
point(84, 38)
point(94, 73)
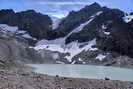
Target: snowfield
point(73, 48)
point(58, 45)
point(100, 57)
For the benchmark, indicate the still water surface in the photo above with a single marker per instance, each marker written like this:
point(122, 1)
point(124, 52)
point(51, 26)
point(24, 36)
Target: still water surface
point(84, 71)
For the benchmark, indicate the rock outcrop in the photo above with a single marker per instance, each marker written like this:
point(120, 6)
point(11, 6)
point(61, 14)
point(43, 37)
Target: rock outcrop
point(36, 24)
point(75, 18)
point(110, 30)
point(109, 27)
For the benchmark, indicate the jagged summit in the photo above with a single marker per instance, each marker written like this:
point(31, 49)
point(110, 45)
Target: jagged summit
point(75, 18)
point(93, 5)
point(93, 32)
point(4, 11)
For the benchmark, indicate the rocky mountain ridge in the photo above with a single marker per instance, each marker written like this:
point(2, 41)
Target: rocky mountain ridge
point(36, 24)
point(92, 33)
point(111, 28)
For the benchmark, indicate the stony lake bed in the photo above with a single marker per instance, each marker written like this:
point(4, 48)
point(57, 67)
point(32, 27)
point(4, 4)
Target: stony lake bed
point(14, 80)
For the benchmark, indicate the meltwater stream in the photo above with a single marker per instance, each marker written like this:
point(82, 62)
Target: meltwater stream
point(84, 71)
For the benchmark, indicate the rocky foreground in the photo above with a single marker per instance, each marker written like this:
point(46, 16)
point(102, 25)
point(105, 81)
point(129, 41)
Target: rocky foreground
point(31, 80)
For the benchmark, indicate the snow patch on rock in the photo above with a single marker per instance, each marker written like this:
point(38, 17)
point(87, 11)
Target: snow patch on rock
point(106, 33)
point(128, 18)
point(51, 47)
point(98, 13)
point(72, 48)
point(59, 41)
point(80, 59)
point(79, 28)
point(100, 57)
point(104, 27)
point(15, 30)
point(73, 62)
point(8, 28)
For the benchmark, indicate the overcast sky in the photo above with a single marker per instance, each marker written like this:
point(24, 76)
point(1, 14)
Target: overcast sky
point(61, 8)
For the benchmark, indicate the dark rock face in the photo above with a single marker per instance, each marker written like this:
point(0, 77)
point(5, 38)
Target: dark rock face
point(94, 28)
point(120, 39)
point(120, 34)
point(8, 17)
point(36, 24)
point(131, 13)
point(74, 19)
point(108, 28)
point(131, 23)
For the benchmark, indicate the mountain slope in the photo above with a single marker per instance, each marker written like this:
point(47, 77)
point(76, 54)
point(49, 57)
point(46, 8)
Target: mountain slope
point(108, 27)
point(74, 19)
point(14, 48)
point(36, 24)
point(92, 35)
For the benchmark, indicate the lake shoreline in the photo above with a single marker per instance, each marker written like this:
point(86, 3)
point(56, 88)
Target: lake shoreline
point(124, 66)
point(84, 71)
point(14, 80)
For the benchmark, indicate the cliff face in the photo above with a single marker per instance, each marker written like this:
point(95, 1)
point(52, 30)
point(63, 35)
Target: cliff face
point(75, 18)
point(111, 29)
